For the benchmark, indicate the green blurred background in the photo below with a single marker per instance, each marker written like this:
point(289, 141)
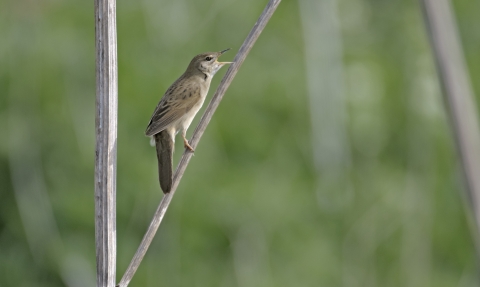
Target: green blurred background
point(329, 162)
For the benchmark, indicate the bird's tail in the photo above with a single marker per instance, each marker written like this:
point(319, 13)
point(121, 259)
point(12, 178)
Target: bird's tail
point(164, 145)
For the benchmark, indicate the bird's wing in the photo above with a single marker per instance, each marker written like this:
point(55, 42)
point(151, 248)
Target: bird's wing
point(172, 107)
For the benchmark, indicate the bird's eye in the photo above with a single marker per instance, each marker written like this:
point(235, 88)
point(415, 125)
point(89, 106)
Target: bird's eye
point(208, 58)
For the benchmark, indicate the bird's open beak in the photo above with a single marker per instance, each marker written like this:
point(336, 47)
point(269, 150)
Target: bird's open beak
point(224, 63)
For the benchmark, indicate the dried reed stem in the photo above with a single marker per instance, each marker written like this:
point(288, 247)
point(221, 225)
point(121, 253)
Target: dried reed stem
point(106, 141)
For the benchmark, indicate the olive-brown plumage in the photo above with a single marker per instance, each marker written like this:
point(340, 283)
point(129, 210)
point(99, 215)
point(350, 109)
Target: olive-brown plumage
point(178, 107)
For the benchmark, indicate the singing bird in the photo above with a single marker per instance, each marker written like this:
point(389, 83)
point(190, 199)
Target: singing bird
point(177, 108)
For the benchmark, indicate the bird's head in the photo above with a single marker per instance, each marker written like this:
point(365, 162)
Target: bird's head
point(207, 63)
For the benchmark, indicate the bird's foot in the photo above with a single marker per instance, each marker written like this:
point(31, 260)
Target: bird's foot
point(187, 145)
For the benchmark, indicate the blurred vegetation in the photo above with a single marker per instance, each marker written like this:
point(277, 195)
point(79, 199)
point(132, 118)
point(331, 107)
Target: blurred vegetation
point(253, 208)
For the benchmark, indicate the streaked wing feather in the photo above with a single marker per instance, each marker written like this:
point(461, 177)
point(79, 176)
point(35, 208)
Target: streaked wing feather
point(168, 112)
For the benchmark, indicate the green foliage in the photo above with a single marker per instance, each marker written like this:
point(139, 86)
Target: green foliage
point(252, 209)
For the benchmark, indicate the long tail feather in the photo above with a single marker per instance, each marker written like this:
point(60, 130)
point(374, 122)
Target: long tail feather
point(164, 145)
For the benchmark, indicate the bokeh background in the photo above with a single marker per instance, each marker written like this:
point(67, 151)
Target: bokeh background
point(329, 162)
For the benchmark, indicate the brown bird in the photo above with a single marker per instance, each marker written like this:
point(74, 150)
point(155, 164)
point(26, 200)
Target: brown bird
point(177, 108)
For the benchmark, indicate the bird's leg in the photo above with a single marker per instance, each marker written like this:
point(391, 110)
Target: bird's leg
point(185, 142)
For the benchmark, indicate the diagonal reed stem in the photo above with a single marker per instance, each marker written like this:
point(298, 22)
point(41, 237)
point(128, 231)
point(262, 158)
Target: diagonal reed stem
point(207, 116)
point(459, 100)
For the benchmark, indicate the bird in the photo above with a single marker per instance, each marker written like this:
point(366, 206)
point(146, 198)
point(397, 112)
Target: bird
point(177, 108)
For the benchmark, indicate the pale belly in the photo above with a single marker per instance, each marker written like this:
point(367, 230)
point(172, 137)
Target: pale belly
point(184, 122)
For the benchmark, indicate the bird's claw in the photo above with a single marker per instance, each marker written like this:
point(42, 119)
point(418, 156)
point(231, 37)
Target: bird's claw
point(187, 145)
